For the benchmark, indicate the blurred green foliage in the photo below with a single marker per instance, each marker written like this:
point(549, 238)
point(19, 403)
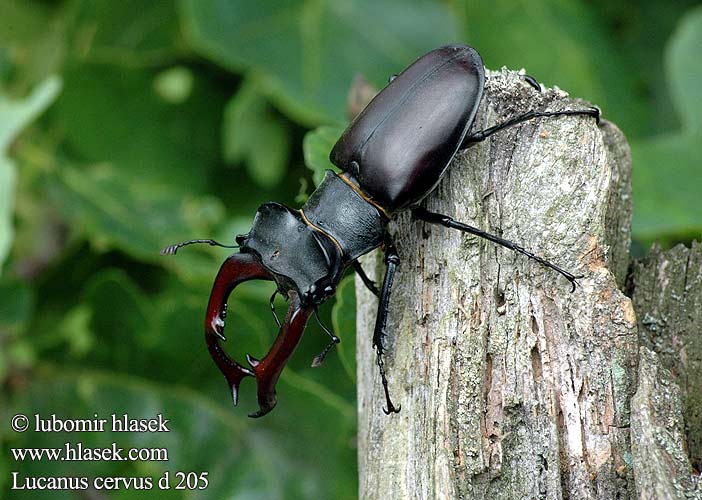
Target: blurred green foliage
point(126, 126)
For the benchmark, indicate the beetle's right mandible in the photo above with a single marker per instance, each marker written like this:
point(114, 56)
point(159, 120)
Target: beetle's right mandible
point(236, 269)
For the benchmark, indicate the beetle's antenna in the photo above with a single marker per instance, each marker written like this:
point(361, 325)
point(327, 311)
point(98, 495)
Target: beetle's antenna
point(173, 249)
point(319, 359)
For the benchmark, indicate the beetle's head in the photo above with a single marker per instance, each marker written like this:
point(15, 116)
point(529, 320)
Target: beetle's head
point(299, 257)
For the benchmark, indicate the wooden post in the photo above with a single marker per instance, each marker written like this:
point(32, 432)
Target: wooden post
point(511, 386)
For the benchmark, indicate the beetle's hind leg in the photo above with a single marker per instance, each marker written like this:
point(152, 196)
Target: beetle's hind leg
point(481, 135)
point(392, 260)
point(446, 221)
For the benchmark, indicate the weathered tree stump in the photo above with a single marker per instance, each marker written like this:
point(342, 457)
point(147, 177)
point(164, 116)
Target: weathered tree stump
point(511, 386)
point(666, 423)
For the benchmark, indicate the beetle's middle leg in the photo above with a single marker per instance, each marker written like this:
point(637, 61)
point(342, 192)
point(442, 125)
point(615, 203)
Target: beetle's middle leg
point(481, 135)
point(446, 221)
point(392, 260)
point(369, 283)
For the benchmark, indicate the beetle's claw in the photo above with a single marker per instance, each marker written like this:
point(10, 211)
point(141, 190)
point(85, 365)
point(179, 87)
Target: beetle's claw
point(392, 409)
point(574, 281)
point(596, 114)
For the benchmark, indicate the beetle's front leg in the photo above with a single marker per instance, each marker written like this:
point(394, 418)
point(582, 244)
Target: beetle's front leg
point(392, 260)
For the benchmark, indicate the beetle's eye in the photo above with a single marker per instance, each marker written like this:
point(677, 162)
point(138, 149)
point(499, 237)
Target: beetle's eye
point(392, 77)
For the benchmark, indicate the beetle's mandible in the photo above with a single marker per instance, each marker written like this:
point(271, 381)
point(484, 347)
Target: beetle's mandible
point(392, 155)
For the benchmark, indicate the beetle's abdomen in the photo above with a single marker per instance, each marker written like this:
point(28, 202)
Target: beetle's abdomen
point(405, 138)
point(355, 225)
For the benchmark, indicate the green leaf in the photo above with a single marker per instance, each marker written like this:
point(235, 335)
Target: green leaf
point(75, 329)
point(344, 321)
point(307, 52)
point(253, 133)
point(7, 194)
point(121, 319)
point(32, 43)
point(113, 114)
point(17, 302)
point(666, 183)
point(14, 116)
point(22, 21)
point(684, 69)
point(110, 325)
point(559, 42)
point(247, 106)
point(174, 85)
point(16, 306)
point(316, 147)
point(666, 178)
point(128, 32)
point(138, 218)
point(17, 114)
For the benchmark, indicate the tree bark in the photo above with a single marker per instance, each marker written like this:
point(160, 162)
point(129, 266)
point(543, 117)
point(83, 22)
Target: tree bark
point(666, 289)
point(511, 386)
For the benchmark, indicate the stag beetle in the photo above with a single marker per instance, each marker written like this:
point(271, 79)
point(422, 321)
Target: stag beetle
point(392, 155)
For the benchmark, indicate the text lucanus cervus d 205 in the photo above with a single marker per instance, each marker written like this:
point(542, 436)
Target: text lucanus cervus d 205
point(392, 156)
